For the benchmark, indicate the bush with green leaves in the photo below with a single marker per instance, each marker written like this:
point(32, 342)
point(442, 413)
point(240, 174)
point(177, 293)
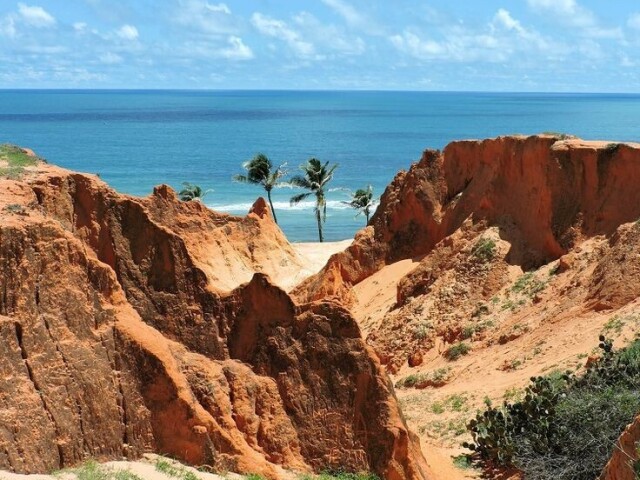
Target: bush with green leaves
point(341, 475)
point(484, 249)
point(457, 350)
point(565, 426)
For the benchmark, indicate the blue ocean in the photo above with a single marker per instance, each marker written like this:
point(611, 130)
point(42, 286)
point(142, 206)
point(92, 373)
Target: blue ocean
point(138, 139)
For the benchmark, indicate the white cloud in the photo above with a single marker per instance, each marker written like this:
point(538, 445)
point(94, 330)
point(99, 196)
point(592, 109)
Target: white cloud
point(237, 50)
point(497, 41)
point(79, 26)
point(127, 32)
point(346, 11)
point(8, 27)
point(568, 11)
point(280, 30)
point(110, 58)
point(329, 36)
point(634, 21)
point(36, 16)
point(457, 45)
point(571, 13)
point(504, 19)
point(212, 19)
point(415, 46)
point(221, 7)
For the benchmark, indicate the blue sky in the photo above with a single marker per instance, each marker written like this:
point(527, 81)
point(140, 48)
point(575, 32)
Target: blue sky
point(523, 45)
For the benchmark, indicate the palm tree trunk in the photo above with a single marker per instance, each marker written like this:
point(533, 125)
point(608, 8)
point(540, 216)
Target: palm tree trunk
point(367, 215)
point(273, 212)
point(319, 225)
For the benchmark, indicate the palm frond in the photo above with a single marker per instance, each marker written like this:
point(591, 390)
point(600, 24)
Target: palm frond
point(301, 182)
point(298, 198)
point(192, 192)
point(240, 178)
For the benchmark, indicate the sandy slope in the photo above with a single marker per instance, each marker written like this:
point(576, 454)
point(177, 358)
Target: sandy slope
point(145, 469)
point(554, 332)
point(313, 256)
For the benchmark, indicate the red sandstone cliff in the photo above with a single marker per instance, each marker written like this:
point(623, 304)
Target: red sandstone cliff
point(488, 263)
point(125, 328)
point(545, 195)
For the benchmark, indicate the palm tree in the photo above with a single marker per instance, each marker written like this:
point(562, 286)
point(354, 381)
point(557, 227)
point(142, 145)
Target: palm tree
point(192, 192)
point(362, 201)
point(316, 176)
point(259, 173)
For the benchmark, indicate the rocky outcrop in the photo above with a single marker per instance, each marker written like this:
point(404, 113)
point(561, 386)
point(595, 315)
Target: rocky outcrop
point(625, 461)
point(544, 194)
point(128, 325)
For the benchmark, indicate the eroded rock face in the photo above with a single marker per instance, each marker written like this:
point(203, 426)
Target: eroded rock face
point(545, 195)
point(625, 456)
point(121, 336)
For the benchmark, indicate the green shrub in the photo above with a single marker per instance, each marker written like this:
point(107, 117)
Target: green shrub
point(126, 475)
point(91, 470)
point(463, 462)
point(457, 350)
point(436, 378)
point(164, 466)
point(341, 475)
point(528, 285)
point(564, 427)
point(484, 249)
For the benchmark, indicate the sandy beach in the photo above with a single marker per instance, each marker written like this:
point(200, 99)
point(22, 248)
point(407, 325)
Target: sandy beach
point(316, 254)
point(312, 256)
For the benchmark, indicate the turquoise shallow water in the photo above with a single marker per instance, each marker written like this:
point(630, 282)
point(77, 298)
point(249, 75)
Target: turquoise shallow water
point(138, 139)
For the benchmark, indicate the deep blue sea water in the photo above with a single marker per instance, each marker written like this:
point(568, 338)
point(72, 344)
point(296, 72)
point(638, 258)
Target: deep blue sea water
point(138, 139)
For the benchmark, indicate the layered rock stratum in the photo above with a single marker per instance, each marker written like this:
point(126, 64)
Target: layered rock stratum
point(131, 325)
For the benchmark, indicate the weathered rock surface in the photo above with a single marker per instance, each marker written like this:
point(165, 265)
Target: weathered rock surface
point(488, 263)
point(625, 456)
point(124, 332)
point(545, 195)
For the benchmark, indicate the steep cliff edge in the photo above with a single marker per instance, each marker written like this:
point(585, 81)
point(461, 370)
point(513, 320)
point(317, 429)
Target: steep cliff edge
point(489, 263)
point(123, 332)
point(549, 193)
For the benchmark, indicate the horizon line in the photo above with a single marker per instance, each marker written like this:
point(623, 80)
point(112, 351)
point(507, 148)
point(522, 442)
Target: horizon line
point(319, 90)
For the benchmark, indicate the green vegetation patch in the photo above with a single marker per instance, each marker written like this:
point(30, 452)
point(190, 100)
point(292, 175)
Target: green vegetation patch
point(92, 470)
point(563, 426)
point(436, 378)
point(341, 475)
point(13, 160)
point(463, 462)
point(528, 285)
point(484, 249)
point(457, 350)
point(170, 469)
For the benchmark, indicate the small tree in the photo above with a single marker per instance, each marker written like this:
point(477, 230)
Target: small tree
point(362, 201)
point(315, 179)
point(192, 192)
point(259, 172)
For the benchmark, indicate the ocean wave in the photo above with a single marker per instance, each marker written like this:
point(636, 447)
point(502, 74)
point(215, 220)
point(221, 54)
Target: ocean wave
point(306, 205)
